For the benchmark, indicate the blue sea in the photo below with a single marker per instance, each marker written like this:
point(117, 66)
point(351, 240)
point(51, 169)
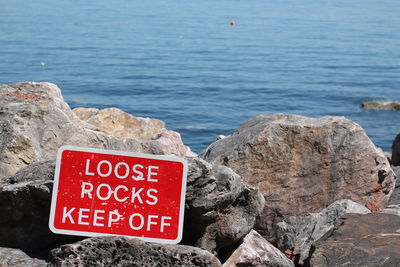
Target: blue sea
point(182, 62)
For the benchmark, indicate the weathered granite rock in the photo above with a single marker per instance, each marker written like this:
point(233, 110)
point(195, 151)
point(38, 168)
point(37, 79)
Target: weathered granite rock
point(298, 233)
point(258, 252)
point(119, 251)
point(360, 240)
point(220, 208)
point(150, 132)
point(17, 258)
point(388, 105)
point(304, 164)
point(396, 151)
point(120, 124)
point(168, 143)
point(25, 208)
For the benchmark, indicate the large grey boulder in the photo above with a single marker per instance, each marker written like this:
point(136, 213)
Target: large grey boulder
point(119, 251)
point(304, 164)
point(17, 258)
point(25, 208)
point(255, 251)
point(360, 240)
point(298, 233)
point(220, 208)
point(35, 122)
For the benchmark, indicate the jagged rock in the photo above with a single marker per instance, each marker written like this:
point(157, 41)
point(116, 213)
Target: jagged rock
point(396, 151)
point(25, 208)
point(17, 258)
point(298, 233)
point(150, 132)
point(360, 240)
point(119, 251)
point(304, 164)
point(220, 208)
point(35, 122)
point(388, 105)
point(258, 252)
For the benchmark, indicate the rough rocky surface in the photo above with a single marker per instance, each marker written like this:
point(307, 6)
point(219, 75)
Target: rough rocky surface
point(168, 143)
point(25, 208)
point(256, 251)
point(396, 151)
point(304, 164)
point(298, 233)
point(395, 197)
point(119, 251)
point(360, 240)
point(220, 208)
point(120, 124)
point(42, 171)
point(387, 105)
point(17, 258)
point(35, 121)
point(150, 132)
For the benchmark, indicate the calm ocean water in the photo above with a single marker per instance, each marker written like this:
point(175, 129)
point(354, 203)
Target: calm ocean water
point(181, 62)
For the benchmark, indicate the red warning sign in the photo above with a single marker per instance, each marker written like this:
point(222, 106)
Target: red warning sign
point(100, 192)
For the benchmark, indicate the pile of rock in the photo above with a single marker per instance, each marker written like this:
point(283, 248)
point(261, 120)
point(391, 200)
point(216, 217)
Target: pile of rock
point(281, 190)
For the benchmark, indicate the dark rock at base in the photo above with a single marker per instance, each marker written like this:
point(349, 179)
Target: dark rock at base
point(16, 258)
point(304, 164)
point(386, 105)
point(25, 208)
point(220, 208)
point(119, 251)
point(360, 240)
point(255, 251)
point(298, 233)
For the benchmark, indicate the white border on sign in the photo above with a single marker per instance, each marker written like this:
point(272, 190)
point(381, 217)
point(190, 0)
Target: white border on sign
point(120, 153)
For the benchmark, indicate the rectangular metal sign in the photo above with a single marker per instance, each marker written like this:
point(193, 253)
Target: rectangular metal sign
point(101, 192)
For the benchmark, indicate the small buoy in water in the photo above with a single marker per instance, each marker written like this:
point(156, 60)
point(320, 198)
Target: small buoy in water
point(232, 22)
point(42, 64)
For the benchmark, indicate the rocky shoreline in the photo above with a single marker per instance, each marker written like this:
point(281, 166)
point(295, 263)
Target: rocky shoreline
point(281, 190)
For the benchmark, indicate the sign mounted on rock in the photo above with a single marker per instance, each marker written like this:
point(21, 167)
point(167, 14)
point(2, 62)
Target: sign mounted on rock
point(101, 192)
